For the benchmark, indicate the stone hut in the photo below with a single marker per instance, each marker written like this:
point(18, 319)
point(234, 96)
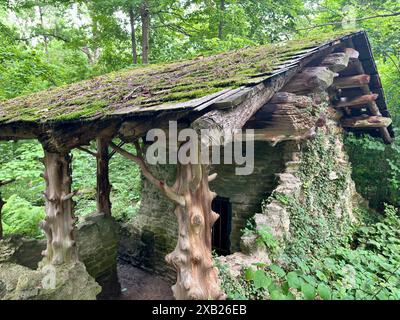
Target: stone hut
point(298, 97)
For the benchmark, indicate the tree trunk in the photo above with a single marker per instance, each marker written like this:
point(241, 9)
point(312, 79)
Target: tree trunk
point(145, 18)
point(103, 183)
point(221, 19)
point(133, 35)
point(58, 224)
point(197, 278)
point(45, 38)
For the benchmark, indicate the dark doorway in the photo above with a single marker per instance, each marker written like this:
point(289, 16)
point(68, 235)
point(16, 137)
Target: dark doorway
point(222, 228)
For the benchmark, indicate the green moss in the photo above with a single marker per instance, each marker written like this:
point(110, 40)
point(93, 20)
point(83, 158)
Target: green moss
point(89, 110)
point(156, 84)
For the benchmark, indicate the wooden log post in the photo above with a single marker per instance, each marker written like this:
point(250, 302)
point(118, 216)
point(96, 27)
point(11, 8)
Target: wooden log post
point(103, 186)
point(197, 278)
point(59, 222)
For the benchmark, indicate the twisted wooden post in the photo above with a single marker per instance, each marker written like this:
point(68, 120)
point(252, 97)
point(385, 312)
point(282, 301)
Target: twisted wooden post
point(197, 278)
point(59, 222)
point(103, 187)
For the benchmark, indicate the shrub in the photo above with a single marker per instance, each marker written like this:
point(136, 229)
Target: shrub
point(20, 217)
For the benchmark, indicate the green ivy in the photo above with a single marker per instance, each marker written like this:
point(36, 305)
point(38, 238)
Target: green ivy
point(366, 267)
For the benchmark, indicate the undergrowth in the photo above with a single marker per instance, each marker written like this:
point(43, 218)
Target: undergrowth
point(366, 267)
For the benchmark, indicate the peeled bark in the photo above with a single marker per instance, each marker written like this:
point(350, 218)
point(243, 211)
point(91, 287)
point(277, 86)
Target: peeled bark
point(59, 222)
point(103, 187)
point(197, 277)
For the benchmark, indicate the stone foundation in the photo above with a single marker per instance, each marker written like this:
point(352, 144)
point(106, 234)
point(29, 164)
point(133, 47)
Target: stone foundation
point(97, 238)
point(71, 282)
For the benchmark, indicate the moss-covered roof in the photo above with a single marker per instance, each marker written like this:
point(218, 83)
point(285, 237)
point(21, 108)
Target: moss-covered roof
point(137, 89)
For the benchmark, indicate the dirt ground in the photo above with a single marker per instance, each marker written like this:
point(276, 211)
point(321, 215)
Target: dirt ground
point(137, 284)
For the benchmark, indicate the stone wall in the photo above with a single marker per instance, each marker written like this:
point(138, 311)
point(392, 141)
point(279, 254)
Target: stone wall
point(153, 233)
point(311, 207)
point(97, 239)
point(246, 192)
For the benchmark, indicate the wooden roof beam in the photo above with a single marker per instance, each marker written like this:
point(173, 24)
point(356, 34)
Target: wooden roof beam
point(311, 79)
point(366, 122)
point(356, 102)
point(336, 61)
point(372, 106)
point(352, 81)
point(352, 53)
point(234, 118)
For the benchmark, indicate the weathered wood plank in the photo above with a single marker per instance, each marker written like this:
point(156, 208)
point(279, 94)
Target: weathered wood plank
point(291, 98)
point(232, 100)
point(366, 122)
point(311, 79)
point(336, 61)
point(352, 53)
point(357, 101)
point(352, 81)
point(372, 106)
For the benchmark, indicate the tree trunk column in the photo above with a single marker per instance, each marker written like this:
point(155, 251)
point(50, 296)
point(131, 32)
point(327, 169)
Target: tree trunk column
point(197, 278)
point(145, 18)
point(103, 183)
point(59, 222)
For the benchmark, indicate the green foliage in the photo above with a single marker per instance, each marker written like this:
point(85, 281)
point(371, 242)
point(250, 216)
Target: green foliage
point(265, 236)
point(20, 161)
point(376, 169)
point(24, 197)
point(20, 217)
point(367, 267)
